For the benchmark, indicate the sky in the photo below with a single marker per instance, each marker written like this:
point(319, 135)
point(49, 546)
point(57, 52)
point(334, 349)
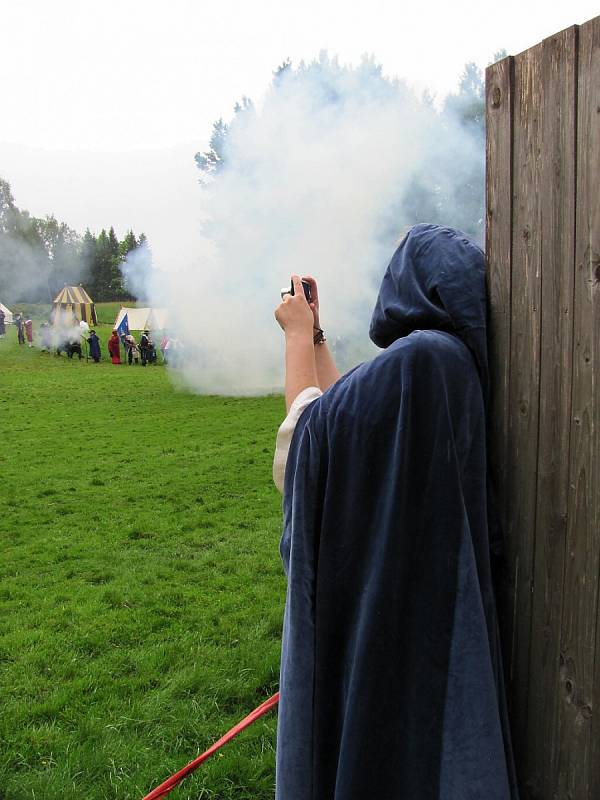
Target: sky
point(103, 104)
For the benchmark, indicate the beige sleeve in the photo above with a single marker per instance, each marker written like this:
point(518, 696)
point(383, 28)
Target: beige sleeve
point(286, 431)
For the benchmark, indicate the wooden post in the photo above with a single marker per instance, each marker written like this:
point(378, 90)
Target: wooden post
point(543, 246)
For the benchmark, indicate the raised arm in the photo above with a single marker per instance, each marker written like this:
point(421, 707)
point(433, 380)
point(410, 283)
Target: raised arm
point(296, 318)
point(327, 372)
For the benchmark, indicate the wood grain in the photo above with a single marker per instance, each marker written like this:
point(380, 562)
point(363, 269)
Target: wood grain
point(579, 622)
point(524, 380)
point(589, 226)
point(557, 228)
point(499, 115)
point(543, 246)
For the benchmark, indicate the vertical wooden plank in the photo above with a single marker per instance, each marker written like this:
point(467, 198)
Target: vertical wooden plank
point(582, 562)
point(589, 60)
point(499, 132)
point(557, 110)
point(521, 482)
point(589, 225)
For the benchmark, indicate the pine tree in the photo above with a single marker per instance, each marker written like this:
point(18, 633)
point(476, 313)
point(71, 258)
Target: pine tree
point(115, 284)
point(8, 209)
point(468, 105)
point(102, 268)
point(212, 160)
point(88, 258)
point(128, 244)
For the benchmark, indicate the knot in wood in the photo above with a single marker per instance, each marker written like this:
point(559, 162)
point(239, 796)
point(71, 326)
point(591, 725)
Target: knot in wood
point(496, 97)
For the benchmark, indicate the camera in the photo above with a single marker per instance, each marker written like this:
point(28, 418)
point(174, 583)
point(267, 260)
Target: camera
point(305, 286)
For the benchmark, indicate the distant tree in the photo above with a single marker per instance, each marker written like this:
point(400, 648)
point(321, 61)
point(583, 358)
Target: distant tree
point(498, 56)
point(441, 191)
point(8, 210)
point(115, 285)
point(281, 71)
point(212, 160)
point(136, 265)
point(62, 248)
point(243, 106)
point(468, 104)
point(128, 243)
point(448, 187)
point(88, 253)
point(101, 268)
point(105, 255)
point(39, 256)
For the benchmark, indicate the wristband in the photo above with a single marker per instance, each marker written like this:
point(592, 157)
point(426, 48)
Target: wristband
point(319, 337)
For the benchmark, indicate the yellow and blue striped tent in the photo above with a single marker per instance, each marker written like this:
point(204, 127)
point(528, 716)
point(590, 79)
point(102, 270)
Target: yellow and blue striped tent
point(73, 300)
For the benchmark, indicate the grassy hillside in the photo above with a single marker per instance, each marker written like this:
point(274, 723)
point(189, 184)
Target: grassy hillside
point(141, 591)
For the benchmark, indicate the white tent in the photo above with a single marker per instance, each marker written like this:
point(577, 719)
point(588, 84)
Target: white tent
point(8, 315)
point(141, 319)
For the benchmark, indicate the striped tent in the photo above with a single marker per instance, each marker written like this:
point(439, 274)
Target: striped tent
point(73, 300)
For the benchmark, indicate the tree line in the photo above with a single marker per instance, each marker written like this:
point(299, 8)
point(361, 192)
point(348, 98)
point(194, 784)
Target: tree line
point(38, 256)
point(438, 190)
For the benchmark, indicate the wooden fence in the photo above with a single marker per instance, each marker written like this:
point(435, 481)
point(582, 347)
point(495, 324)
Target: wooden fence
point(543, 246)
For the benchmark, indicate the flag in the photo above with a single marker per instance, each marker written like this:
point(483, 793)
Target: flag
point(123, 328)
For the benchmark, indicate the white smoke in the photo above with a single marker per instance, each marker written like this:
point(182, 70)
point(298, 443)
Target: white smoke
point(318, 181)
point(24, 272)
point(137, 270)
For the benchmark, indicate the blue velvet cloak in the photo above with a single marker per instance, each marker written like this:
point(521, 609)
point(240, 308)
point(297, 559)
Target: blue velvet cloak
point(94, 343)
point(391, 683)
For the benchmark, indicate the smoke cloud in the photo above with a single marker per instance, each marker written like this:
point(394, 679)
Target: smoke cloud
point(37, 256)
point(136, 268)
point(322, 179)
point(23, 272)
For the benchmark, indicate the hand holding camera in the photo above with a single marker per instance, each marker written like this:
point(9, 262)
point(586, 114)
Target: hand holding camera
point(295, 314)
point(313, 299)
point(292, 290)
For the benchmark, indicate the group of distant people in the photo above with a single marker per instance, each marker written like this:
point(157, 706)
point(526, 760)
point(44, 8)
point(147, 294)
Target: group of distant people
point(24, 328)
point(144, 350)
point(68, 337)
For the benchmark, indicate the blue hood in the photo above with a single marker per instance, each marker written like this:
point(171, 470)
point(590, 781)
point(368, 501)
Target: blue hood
point(435, 281)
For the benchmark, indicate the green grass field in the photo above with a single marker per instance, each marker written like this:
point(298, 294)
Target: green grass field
point(141, 591)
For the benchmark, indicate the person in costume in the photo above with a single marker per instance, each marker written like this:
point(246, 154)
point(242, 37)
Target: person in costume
point(131, 349)
point(145, 347)
point(20, 328)
point(391, 681)
point(29, 331)
point(94, 343)
point(152, 358)
point(164, 348)
point(114, 348)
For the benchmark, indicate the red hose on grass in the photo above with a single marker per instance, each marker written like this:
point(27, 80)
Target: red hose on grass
point(164, 789)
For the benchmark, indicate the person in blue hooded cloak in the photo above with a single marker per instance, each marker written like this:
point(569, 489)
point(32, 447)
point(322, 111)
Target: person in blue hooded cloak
point(391, 681)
